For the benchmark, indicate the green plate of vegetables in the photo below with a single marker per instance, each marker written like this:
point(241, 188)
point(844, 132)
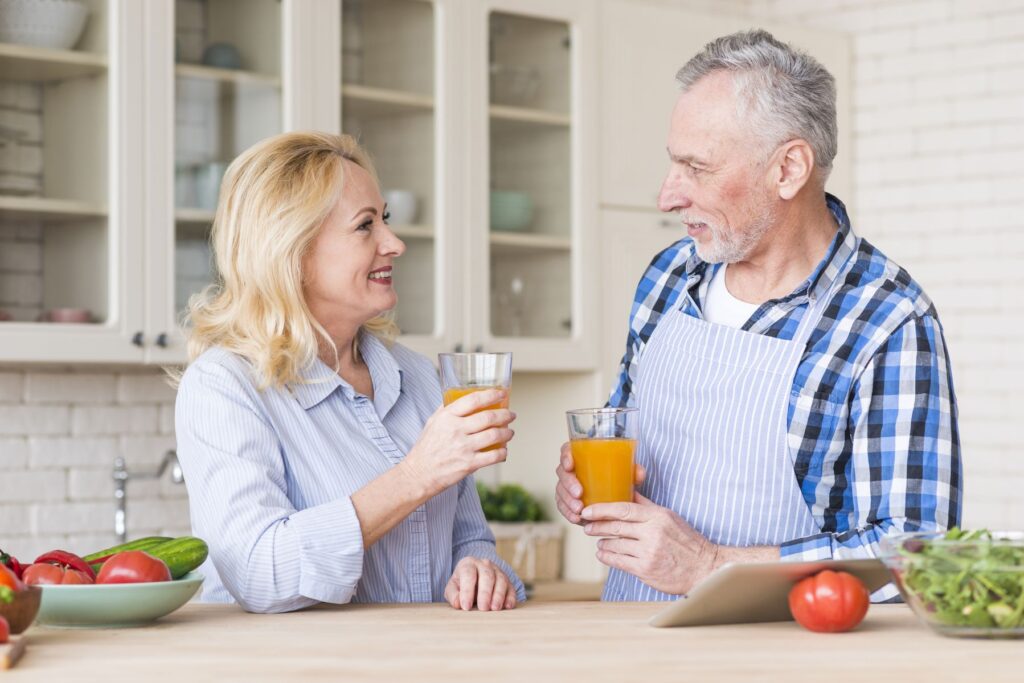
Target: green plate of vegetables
point(961, 583)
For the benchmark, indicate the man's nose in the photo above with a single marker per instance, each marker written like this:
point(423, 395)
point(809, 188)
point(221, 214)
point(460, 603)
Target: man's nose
point(672, 195)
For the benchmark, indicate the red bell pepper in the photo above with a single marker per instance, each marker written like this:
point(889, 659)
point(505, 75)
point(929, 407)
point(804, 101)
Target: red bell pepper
point(66, 559)
point(11, 562)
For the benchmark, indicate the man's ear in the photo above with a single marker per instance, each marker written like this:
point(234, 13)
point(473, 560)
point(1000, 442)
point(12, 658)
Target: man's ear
point(791, 167)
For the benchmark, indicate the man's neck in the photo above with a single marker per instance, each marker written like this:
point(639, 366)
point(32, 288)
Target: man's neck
point(787, 255)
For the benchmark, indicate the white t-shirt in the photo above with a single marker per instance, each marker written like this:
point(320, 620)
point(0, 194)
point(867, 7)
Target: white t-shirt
point(723, 308)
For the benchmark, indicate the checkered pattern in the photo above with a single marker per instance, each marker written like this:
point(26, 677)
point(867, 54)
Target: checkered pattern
point(872, 415)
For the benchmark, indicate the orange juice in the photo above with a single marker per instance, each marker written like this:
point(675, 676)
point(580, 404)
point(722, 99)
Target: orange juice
point(454, 393)
point(605, 469)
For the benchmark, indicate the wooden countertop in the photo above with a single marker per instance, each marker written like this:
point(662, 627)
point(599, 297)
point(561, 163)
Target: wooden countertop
point(540, 641)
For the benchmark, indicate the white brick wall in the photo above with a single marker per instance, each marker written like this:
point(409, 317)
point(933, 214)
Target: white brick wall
point(939, 186)
point(59, 435)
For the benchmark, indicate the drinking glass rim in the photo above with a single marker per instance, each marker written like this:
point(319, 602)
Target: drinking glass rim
point(454, 354)
point(600, 411)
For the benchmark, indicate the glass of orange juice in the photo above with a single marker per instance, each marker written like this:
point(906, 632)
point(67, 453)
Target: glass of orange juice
point(465, 373)
point(603, 445)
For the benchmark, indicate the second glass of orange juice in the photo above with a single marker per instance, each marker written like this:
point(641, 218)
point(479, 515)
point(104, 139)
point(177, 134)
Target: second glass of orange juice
point(466, 373)
point(603, 444)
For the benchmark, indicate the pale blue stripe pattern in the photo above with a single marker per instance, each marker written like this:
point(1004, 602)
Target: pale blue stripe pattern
point(712, 403)
point(270, 474)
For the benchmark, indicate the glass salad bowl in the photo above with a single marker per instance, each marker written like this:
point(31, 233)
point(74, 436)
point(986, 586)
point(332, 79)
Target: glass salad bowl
point(961, 583)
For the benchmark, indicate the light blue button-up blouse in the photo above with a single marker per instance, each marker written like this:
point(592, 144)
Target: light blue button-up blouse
point(270, 476)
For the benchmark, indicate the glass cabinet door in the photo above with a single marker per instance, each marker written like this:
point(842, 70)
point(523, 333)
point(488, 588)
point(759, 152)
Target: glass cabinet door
point(388, 104)
point(531, 220)
point(59, 260)
point(530, 170)
point(227, 92)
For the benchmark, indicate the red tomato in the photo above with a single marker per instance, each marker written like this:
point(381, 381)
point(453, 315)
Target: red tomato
point(10, 579)
point(5, 631)
point(133, 566)
point(829, 602)
point(44, 573)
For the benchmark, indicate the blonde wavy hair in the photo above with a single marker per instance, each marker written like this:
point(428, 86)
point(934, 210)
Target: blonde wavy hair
point(273, 200)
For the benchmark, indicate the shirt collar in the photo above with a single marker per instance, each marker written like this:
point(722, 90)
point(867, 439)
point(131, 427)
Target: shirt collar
point(318, 380)
point(842, 247)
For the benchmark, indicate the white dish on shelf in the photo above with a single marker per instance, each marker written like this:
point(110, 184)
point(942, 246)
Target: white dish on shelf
point(53, 24)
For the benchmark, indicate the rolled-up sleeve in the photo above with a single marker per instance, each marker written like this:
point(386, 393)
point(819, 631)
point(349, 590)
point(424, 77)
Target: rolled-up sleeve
point(472, 536)
point(270, 556)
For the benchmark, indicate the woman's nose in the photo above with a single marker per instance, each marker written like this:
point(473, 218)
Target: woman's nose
point(390, 244)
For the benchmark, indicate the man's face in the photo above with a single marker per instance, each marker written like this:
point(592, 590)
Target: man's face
point(717, 181)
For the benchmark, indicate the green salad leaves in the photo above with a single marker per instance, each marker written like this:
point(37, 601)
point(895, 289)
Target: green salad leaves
point(966, 578)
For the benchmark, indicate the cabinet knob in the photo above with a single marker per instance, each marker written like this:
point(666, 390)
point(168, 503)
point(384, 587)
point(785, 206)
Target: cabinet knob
point(479, 348)
point(458, 348)
point(668, 223)
point(161, 340)
point(137, 339)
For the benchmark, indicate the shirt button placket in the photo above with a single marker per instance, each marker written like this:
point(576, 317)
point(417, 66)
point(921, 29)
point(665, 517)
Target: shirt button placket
point(419, 557)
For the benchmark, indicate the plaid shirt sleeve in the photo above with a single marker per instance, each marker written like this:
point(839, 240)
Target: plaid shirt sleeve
point(902, 460)
point(622, 393)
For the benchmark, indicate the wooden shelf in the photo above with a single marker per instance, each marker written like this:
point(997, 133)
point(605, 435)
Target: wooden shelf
point(193, 216)
point(364, 101)
point(227, 76)
point(518, 242)
point(29, 63)
point(42, 208)
point(414, 232)
point(536, 116)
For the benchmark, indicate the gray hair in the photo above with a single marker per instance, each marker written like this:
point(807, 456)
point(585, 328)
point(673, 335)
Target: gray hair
point(786, 92)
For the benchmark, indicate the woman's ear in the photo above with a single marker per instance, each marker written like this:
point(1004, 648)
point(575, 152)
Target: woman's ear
point(792, 166)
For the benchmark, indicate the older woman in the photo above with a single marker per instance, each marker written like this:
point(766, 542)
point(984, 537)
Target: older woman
point(320, 466)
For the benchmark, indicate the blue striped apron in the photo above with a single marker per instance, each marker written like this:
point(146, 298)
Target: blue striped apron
point(714, 404)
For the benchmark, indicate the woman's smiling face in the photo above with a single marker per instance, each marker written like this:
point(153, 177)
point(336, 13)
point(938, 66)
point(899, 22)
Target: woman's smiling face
point(347, 272)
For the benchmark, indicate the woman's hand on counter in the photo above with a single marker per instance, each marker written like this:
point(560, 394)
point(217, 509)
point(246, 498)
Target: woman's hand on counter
point(451, 446)
point(479, 582)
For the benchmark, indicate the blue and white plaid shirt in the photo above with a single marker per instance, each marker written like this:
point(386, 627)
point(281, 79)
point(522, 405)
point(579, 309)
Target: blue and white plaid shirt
point(872, 415)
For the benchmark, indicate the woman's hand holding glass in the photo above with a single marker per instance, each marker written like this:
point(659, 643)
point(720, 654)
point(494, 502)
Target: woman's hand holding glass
point(454, 441)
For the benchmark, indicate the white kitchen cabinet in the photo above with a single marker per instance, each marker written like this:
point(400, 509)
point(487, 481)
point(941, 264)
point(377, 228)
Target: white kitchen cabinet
point(643, 45)
point(507, 121)
point(412, 80)
point(71, 193)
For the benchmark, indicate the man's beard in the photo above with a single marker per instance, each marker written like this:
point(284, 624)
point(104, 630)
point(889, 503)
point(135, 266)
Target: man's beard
point(737, 245)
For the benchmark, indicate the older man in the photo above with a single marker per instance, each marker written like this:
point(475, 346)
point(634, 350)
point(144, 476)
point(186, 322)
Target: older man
point(794, 389)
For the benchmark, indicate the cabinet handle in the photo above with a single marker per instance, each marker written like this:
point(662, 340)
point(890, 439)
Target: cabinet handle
point(137, 339)
point(161, 340)
point(479, 348)
point(458, 348)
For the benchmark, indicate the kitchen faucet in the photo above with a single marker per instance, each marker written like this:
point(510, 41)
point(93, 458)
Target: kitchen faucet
point(121, 477)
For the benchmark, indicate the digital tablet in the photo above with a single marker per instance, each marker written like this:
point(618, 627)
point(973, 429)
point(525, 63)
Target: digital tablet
point(758, 591)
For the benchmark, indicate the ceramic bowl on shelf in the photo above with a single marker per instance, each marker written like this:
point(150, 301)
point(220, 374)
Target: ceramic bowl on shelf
point(222, 56)
point(55, 24)
point(402, 205)
point(115, 605)
point(510, 211)
point(66, 315)
point(961, 583)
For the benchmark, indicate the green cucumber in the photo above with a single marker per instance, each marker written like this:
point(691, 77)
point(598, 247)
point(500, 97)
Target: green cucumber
point(181, 555)
point(138, 544)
